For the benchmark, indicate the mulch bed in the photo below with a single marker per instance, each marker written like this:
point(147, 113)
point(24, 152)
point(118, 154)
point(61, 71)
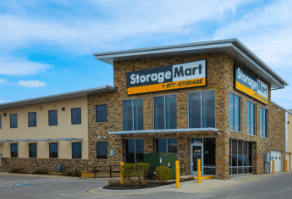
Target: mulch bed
point(151, 184)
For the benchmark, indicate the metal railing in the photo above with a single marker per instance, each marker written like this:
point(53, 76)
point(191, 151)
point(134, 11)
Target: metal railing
point(110, 171)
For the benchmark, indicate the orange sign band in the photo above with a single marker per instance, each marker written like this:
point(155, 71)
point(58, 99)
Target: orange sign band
point(251, 93)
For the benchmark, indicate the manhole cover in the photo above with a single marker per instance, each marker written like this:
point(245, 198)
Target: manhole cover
point(21, 184)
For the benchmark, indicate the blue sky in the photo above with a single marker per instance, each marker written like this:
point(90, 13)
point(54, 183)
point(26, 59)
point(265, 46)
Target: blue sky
point(46, 46)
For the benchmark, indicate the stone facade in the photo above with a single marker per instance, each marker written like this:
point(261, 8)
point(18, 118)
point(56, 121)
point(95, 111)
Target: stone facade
point(220, 77)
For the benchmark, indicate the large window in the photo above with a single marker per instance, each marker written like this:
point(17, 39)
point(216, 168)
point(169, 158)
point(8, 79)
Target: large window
point(101, 150)
point(13, 121)
point(101, 113)
point(134, 150)
point(133, 114)
point(165, 113)
point(32, 150)
point(32, 119)
point(263, 122)
point(76, 115)
point(234, 112)
point(14, 150)
point(76, 150)
point(53, 118)
point(250, 118)
point(53, 150)
point(166, 145)
point(209, 155)
point(202, 109)
point(241, 157)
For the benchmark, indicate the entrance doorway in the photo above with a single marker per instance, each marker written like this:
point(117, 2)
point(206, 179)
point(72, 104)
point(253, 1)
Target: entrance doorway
point(196, 153)
point(134, 150)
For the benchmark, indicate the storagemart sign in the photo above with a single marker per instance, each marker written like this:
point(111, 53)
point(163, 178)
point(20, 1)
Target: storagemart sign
point(191, 74)
point(250, 85)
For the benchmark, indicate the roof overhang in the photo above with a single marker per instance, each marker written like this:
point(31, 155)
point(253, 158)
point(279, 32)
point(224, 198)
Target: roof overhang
point(233, 47)
point(58, 97)
point(164, 131)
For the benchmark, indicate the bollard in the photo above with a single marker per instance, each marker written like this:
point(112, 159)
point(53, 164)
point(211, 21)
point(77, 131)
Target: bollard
point(273, 166)
point(199, 170)
point(177, 173)
point(122, 181)
point(286, 165)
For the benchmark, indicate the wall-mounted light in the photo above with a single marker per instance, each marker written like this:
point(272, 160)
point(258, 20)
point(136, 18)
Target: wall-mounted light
point(63, 109)
point(104, 137)
point(288, 122)
point(4, 114)
point(40, 107)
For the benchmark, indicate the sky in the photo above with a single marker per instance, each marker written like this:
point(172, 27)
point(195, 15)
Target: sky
point(46, 46)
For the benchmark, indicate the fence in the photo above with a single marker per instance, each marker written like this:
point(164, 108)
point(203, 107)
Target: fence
point(95, 170)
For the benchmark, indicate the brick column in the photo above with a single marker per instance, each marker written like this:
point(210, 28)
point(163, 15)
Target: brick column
point(222, 156)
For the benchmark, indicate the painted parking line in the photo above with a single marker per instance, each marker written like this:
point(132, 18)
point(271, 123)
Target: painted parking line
point(21, 184)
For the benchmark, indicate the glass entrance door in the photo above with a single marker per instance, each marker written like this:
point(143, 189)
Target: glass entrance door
point(197, 153)
point(134, 150)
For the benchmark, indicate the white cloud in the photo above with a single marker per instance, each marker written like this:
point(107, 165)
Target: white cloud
point(32, 84)
point(2, 81)
point(15, 66)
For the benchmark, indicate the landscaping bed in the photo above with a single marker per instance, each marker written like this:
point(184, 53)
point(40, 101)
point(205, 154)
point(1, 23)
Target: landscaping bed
point(146, 184)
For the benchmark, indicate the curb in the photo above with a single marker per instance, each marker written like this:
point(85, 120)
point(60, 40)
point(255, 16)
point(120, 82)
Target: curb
point(101, 190)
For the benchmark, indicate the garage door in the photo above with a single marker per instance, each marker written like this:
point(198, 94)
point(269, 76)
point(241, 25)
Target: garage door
point(276, 155)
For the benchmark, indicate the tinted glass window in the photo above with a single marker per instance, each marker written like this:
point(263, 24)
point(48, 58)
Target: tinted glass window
point(170, 108)
point(247, 117)
point(208, 109)
point(76, 115)
point(32, 119)
point(53, 117)
point(252, 119)
point(128, 115)
point(101, 113)
point(32, 150)
point(161, 145)
point(76, 150)
point(236, 113)
point(209, 151)
point(195, 107)
point(53, 150)
point(13, 121)
point(14, 150)
point(159, 113)
point(138, 114)
point(102, 150)
point(140, 150)
point(172, 145)
point(231, 111)
point(263, 122)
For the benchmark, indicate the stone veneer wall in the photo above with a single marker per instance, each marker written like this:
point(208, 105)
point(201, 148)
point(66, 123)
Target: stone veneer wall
point(220, 77)
point(30, 164)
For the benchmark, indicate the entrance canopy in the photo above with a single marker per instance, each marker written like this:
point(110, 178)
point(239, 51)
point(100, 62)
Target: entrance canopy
point(164, 131)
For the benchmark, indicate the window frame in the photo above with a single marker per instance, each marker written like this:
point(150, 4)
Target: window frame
point(96, 112)
point(57, 150)
point(72, 116)
point(11, 151)
point(49, 118)
point(0, 121)
point(240, 111)
point(29, 150)
point(164, 96)
point(167, 138)
point(266, 123)
point(35, 119)
point(80, 150)
point(133, 113)
point(190, 92)
point(255, 118)
point(105, 157)
point(16, 121)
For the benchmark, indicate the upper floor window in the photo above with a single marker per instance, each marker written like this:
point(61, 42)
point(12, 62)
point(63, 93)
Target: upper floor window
point(13, 121)
point(165, 113)
point(101, 113)
point(263, 122)
point(0, 122)
point(32, 119)
point(234, 112)
point(76, 116)
point(32, 150)
point(166, 145)
point(14, 150)
point(250, 118)
point(76, 150)
point(53, 150)
point(202, 109)
point(53, 117)
point(133, 114)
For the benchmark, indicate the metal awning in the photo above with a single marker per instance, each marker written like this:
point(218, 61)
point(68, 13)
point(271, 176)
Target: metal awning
point(47, 140)
point(6, 140)
point(25, 140)
point(71, 139)
point(164, 131)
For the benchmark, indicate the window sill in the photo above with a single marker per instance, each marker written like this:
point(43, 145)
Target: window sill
point(235, 131)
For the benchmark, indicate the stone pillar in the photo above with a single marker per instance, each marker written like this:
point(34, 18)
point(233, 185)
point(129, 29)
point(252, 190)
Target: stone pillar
point(222, 156)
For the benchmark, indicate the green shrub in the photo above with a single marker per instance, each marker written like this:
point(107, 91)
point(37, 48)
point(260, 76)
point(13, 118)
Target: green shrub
point(129, 170)
point(163, 173)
